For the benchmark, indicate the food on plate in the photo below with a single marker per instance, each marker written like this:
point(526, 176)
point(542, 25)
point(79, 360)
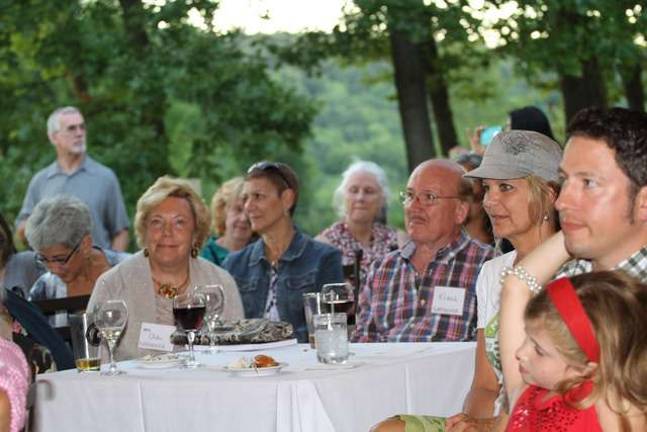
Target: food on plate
point(241, 363)
point(262, 361)
point(259, 361)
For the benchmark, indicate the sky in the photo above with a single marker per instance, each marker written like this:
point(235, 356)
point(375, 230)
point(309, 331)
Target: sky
point(286, 15)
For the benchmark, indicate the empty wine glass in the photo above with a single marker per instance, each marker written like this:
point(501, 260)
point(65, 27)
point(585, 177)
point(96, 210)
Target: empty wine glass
point(110, 318)
point(338, 296)
point(215, 302)
point(188, 310)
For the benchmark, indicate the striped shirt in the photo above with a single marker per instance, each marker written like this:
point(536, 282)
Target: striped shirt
point(396, 303)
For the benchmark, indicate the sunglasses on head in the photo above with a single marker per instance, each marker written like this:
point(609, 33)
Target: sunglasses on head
point(270, 166)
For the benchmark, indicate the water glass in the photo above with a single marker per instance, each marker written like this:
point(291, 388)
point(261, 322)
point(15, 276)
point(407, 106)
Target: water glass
point(110, 317)
point(85, 342)
point(214, 297)
point(312, 305)
point(331, 337)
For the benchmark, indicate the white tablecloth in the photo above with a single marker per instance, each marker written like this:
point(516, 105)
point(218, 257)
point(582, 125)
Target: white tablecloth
point(429, 378)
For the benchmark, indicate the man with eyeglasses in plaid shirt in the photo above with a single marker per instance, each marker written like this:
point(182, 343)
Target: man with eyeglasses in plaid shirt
point(426, 290)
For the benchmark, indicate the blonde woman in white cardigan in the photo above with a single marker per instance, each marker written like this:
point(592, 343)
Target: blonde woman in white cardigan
point(171, 224)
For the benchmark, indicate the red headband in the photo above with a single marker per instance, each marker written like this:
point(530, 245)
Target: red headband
point(563, 295)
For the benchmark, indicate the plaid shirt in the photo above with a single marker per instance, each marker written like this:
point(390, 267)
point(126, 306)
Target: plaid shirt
point(396, 303)
point(635, 265)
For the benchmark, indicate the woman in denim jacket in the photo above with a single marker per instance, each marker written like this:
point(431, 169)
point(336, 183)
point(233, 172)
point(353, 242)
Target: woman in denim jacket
point(273, 272)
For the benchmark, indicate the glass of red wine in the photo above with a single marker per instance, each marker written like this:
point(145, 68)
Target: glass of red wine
point(338, 296)
point(188, 310)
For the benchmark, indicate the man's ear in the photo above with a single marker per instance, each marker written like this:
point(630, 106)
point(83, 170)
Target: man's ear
point(52, 138)
point(462, 211)
point(640, 205)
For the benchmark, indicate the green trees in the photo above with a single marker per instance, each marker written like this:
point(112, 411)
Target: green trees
point(160, 96)
point(585, 43)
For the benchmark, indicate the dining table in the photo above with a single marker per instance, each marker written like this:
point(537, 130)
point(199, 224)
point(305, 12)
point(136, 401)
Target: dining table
point(302, 395)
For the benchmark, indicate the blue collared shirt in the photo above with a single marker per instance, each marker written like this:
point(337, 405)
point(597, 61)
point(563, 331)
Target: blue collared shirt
point(94, 184)
point(304, 267)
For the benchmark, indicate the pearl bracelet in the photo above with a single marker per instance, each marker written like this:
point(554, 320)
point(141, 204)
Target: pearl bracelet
point(525, 277)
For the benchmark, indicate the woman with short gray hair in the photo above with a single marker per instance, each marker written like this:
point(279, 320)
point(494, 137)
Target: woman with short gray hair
point(59, 230)
point(360, 200)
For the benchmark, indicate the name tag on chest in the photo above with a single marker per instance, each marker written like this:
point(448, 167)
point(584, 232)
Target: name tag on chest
point(448, 300)
point(156, 337)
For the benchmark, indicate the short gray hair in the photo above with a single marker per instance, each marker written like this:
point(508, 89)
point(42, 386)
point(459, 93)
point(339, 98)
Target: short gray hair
point(360, 166)
point(54, 119)
point(62, 220)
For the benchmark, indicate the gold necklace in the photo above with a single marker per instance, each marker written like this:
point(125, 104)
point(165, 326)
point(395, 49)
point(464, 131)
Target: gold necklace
point(167, 290)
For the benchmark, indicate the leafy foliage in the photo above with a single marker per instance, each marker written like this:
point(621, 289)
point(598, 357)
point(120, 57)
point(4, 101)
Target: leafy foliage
point(160, 96)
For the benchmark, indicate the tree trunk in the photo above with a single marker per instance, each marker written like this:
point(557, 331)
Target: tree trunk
point(409, 75)
point(633, 86)
point(134, 20)
point(583, 91)
point(135, 26)
point(439, 95)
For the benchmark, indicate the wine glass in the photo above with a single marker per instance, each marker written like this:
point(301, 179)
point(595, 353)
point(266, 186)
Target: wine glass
point(188, 310)
point(110, 318)
point(338, 296)
point(215, 302)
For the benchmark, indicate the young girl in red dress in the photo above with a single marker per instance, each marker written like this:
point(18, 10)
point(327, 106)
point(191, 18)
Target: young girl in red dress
point(582, 362)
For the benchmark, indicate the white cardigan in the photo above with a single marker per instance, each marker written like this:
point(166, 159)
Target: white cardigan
point(132, 282)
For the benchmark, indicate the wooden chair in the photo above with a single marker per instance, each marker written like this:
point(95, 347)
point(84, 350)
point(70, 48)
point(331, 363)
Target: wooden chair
point(67, 304)
point(351, 275)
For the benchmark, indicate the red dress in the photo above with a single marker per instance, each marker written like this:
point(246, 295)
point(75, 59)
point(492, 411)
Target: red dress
point(533, 413)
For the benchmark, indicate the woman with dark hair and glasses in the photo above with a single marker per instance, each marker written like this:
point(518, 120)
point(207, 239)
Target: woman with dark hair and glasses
point(59, 230)
point(273, 272)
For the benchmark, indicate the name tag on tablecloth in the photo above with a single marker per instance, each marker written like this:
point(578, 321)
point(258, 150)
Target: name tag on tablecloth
point(448, 300)
point(156, 337)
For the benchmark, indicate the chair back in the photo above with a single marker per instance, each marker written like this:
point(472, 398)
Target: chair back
point(66, 304)
point(352, 276)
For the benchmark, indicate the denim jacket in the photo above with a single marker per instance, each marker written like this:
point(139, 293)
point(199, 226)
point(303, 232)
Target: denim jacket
point(304, 267)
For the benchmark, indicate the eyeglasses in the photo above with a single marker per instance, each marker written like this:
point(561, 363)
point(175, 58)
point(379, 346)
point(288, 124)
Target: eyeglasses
point(58, 261)
point(425, 198)
point(270, 166)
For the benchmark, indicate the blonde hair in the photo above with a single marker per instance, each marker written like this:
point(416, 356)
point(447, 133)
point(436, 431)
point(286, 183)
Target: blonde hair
point(221, 200)
point(616, 304)
point(540, 204)
point(166, 187)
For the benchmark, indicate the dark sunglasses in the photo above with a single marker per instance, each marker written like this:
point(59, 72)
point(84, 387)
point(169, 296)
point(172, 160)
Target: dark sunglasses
point(270, 167)
point(60, 261)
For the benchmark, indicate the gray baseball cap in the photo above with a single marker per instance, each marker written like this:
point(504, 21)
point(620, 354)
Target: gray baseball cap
point(517, 154)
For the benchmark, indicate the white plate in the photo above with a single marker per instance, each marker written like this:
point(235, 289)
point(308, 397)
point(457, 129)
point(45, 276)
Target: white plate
point(254, 372)
point(159, 361)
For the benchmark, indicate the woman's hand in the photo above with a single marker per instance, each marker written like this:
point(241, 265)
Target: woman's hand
point(465, 423)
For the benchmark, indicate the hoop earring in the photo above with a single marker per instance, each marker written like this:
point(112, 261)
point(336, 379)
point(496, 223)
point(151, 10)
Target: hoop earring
point(194, 252)
point(146, 253)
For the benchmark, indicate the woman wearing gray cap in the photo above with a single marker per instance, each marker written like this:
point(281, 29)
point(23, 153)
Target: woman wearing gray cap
point(521, 182)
